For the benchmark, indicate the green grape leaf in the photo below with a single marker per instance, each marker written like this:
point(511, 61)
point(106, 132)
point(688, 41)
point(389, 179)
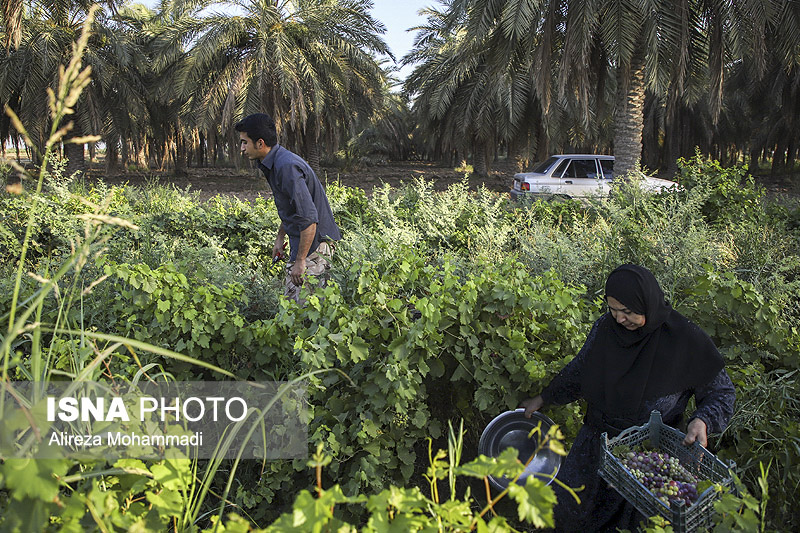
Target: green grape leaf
point(35, 479)
point(506, 464)
point(535, 502)
point(168, 503)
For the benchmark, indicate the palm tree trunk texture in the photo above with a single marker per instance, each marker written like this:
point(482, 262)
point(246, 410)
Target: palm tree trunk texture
point(515, 154)
point(142, 160)
point(312, 152)
point(112, 158)
point(629, 117)
point(542, 142)
point(12, 20)
point(76, 158)
point(213, 145)
point(313, 157)
point(779, 158)
point(202, 159)
point(180, 155)
point(479, 166)
point(125, 154)
point(164, 154)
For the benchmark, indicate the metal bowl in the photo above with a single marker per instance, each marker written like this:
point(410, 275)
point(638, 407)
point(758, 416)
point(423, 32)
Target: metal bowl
point(511, 430)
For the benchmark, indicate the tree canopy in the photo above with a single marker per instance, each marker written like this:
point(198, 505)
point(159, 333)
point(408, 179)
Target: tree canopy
point(647, 81)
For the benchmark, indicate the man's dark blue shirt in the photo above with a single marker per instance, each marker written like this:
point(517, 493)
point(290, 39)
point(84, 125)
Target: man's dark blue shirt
point(299, 198)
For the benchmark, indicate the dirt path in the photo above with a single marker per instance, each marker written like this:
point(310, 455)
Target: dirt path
point(249, 184)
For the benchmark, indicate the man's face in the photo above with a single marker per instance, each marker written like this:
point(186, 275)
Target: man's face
point(257, 150)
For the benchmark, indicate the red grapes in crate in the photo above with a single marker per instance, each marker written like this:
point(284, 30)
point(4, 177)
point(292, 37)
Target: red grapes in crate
point(662, 475)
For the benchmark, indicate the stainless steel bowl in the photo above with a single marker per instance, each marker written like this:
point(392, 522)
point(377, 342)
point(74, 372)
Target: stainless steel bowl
point(511, 430)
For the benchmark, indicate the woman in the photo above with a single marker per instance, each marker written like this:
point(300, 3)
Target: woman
point(640, 356)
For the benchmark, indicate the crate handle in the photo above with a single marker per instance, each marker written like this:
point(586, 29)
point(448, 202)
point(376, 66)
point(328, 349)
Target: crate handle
point(625, 432)
point(655, 420)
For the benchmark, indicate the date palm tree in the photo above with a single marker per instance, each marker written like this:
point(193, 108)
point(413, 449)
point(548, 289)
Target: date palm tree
point(762, 111)
point(678, 51)
point(48, 29)
point(12, 23)
point(466, 100)
point(309, 63)
point(163, 37)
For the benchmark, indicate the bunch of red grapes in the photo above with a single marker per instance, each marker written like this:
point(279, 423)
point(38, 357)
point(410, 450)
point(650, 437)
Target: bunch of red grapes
point(663, 475)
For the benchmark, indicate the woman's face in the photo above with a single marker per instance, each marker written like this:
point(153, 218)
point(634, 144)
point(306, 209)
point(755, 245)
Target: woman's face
point(624, 316)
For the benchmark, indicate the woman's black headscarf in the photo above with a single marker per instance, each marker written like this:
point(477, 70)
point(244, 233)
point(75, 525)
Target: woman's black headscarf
point(669, 354)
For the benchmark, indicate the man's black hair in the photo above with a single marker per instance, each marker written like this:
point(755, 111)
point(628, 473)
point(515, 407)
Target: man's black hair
point(258, 126)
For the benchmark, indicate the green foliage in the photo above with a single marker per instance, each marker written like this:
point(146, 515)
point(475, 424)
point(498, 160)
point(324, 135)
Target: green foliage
point(442, 306)
point(765, 430)
point(742, 321)
point(742, 511)
point(457, 220)
point(202, 322)
point(409, 509)
point(130, 495)
point(351, 205)
point(383, 325)
point(731, 193)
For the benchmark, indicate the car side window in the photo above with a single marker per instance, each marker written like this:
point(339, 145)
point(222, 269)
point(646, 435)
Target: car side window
point(582, 168)
point(559, 168)
point(608, 168)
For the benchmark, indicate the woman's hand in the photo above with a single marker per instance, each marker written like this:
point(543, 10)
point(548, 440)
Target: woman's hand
point(696, 431)
point(531, 405)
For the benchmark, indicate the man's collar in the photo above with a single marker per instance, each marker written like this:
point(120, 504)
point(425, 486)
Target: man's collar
point(269, 160)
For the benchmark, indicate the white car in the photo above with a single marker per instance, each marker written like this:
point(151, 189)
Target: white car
point(575, 176)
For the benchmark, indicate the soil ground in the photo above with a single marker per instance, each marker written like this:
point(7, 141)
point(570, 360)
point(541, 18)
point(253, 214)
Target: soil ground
point(247, 184)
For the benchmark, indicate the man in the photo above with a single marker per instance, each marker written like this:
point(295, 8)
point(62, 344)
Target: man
point(303, 207)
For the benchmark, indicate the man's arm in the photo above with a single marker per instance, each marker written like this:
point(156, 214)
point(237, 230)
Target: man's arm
point(299, 267)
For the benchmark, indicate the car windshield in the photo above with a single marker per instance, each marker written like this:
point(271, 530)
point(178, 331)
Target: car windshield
point(542, 168)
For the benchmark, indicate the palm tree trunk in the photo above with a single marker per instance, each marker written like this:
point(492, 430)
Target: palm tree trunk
point(515, 154)
point(142, 160)
point(542, 142)
point(213, 145)
point(164, 154)
point(479, 159)
point(112, 157)
point(125, 154)
point(12, 20)
point(202, 160)
point(76, 158)
point(629, 116)
point(312, 147)
point(312, 156)
point(180, 155)
point(778, 158)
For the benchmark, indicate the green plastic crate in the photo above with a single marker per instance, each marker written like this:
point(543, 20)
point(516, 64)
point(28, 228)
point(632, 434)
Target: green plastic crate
point(699, 461)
